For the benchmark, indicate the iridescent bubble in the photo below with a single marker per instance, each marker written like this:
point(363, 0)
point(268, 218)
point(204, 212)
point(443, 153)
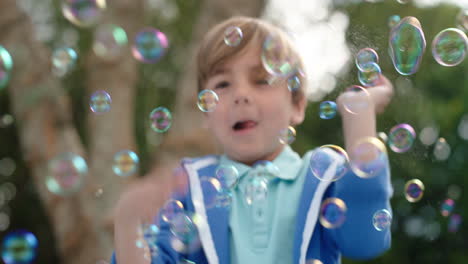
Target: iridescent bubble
point(393, 20)
point(414, 190)
point(287, 135)
point(100, 102)
point(365, 56)
point(150, 233)
point(447, 207)
point(327, 110)
point(462, 20)
point(370, 74)
point(63, 60)
point(109, 41)
point(332, 213)
point(401, 138)
point(449, 47)
point(356, 99)
point(149, 45)
point(265, 169)
point(66, 173)
point(368, 157)
point(454, 223)
point(83, 13)
point(294, 83)
point(19, 247)
point(442, 150)
point(224, 199)
point(207, 100)
point(161, 119)
point(228, 176)
point(184, 228)
point(313, 261)
point(233, 36)
point(6, 64)
point(256, 190)
point(382, 136)
point(275, 61)
point(211, 189)
point(170, 209)
point(329, 163)
point(382, 219)
point(407, 45)
point(125, 163)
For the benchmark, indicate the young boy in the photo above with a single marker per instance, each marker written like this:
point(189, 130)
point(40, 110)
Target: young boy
point(283, 226)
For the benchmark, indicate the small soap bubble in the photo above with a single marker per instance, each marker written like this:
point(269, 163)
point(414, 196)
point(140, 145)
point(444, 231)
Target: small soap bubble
point(233, 36)
point(256, 190)
point(161, 119)
point(447, 207)
point(66, 173)
point(83, 13)
point(454, 223)
point(407, 45)
point(356, 99)
point(332, 213)
point(6, 64)
point(382, 219)
point(224, 199)
point(19, 246)
point(414, 190)
point(170, 209)
point(275, 61)
point(401, 138)
point(125, 163)
point(294, 83)
point(368, 157)
point(329, 163)
point(7, 167)
point(287, 135)
point(365, 56)
point(6, 120)
point(393, 20)
point(150, 45)
point(207, 100)
point(265, 169)
point(382, 136)
point(109, 41)
point(449, 47)
point(313, 261)
point(369, 75)
point(228, 176)
point(462, 20)
point(63, 60)
point(327, 110)
point(442, 150)
point(184, 228)
point(100, 102)
point(150, 233)
point(211, 189)
point(428, 135)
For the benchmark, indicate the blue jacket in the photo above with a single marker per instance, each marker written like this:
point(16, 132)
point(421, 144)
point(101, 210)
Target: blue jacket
point(356, 238)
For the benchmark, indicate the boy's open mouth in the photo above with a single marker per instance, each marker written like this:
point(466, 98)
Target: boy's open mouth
point(243, 125)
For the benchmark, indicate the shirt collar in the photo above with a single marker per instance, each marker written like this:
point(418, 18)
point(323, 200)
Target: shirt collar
point(288, 162)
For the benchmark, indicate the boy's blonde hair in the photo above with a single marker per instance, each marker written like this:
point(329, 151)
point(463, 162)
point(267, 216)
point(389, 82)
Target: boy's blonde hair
point(213, 52)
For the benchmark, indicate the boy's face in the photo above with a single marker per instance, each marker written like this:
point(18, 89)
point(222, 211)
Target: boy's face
point(250, 113)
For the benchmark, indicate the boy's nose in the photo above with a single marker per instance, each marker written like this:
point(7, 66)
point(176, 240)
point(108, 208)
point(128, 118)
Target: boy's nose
point(241, 99)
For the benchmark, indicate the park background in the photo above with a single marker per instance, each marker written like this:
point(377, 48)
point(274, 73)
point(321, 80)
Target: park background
point(43, 114)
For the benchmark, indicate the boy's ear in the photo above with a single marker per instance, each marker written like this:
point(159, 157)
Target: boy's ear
point(299, 111)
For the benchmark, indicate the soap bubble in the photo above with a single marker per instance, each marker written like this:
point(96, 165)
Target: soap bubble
point(447, 207)
point(211, 189)
point(327, 110)
point(125, 163)
point(393, 20)
point(382, 219)
point(287, 135)
point(294, 83)
point(449, 47)
point(370, 74)
point(19, 247)
point(256, 190)
point(184, 228)
point(329, 163)
point(109, 41)
point(414, 190)
point(170, 209)
point(275, 60)
point(83, 13)
point(100, 102)
point(233, 36)
point(332, 213)
point(401, 138)
point(365, 56)
point(356, 99)
point(228, 175)
point(66, 174)
point(161, 119)
point(368, 157)
point(150, 45)
point(207, 100)
point(6, 64)
point(63, 60)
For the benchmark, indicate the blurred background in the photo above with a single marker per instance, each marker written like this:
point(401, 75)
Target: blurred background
point(59, 58)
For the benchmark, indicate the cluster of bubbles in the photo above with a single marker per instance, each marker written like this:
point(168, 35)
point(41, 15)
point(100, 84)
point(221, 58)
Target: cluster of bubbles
point(19, 246)
point(368, 68)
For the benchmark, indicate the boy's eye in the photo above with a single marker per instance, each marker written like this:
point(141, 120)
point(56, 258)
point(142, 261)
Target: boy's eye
point(262, 82)
point(222, 84)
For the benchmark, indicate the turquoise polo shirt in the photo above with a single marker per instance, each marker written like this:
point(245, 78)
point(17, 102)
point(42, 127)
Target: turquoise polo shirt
point(262, 231)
